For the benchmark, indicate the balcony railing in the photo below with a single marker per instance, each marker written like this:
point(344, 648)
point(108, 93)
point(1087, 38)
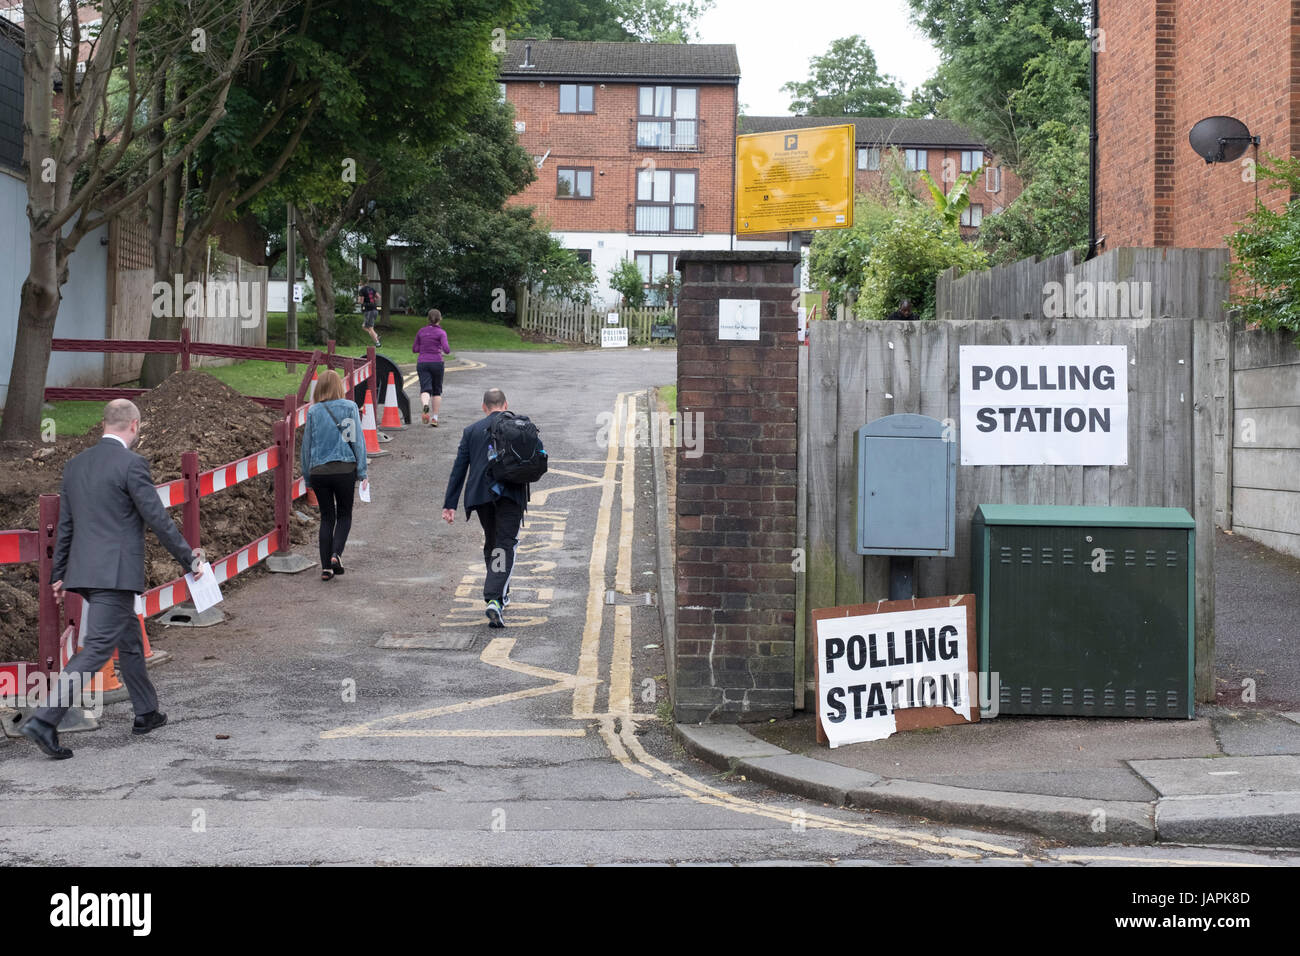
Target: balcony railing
point(664, 218)
point(675, 135)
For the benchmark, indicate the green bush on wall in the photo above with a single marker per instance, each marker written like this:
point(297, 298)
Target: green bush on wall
point(1266, 254)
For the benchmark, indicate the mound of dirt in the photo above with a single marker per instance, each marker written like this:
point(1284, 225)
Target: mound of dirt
point(190, 411)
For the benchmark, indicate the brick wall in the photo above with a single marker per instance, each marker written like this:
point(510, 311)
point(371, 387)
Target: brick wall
point(736, 501)
point(1167, 64)
point(605, 140)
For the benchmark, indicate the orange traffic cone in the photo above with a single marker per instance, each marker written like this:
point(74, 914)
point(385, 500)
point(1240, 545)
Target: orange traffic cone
point(311, 499)
point(371, 433)
point(150, 656)
point(106, 679)
point(392, 414)
point(311, 389)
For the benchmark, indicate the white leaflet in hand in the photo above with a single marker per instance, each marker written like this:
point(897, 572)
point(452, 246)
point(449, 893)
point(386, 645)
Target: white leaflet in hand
point(365, 490)
point(204, 592)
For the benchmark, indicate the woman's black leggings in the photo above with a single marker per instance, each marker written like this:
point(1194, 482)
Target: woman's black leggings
point(334, 492)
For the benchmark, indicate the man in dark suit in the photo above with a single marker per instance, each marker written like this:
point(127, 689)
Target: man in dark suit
point(108, 496)
point(500, 505)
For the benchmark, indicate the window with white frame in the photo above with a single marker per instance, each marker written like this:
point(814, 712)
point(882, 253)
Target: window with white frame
point(993, 179)
point(869, 157)
point(665, 200)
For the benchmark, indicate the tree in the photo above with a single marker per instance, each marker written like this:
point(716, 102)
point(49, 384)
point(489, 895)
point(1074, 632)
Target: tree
point(90, 155)
point(626, 279)
point(985, 47)
point(348, 73)
point(662, 21)
point(846, 82)
point(949, 206)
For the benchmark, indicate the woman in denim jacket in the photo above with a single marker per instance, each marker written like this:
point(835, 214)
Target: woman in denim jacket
point(334, 460)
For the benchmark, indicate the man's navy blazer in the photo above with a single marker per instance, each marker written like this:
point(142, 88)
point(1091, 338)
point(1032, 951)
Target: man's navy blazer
point(471, 462)
point(108, 497)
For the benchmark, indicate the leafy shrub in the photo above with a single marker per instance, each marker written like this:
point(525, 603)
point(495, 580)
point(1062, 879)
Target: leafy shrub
point(1266, 254)
point(906, 258)
point(626, 279)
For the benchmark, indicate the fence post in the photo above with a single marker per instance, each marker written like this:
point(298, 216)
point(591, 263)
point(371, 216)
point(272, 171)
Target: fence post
point(283, 560)
point(372, 381)
point(47, 645)
point(190, 510)
point(185, 349)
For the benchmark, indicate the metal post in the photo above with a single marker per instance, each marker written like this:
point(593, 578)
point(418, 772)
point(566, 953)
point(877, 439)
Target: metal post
point(902, 578)
point(283, 486)
point(190, 509)
point(291, 251)
point(47, 656)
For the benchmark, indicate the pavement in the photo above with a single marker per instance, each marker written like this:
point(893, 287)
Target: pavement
point(1231, 776)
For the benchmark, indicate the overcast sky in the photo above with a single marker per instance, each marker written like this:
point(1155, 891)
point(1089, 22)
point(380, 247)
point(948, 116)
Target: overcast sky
point(777, 38)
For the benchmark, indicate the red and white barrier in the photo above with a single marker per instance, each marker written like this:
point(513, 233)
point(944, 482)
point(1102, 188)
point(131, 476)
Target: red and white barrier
point(227, 476)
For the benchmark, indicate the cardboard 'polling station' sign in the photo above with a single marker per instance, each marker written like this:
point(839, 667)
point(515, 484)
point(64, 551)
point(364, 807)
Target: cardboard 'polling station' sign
point(1044, 405)
point(895, 665)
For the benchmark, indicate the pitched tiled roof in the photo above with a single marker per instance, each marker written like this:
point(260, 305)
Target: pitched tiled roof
point(872, 130)
point(716, 62)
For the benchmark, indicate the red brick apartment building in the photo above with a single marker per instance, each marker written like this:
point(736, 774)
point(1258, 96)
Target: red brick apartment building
point(1162, 65)
point(634, 145)
point(941, 147)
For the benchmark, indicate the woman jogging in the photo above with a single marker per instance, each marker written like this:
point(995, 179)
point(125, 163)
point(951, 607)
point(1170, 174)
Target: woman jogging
point(431, 345)
point(333, 459)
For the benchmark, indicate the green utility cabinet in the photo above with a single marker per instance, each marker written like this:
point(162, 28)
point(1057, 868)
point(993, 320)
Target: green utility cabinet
point(1065, 636)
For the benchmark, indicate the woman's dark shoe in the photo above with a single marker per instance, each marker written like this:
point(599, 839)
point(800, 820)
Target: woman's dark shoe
point(45, 737)
point(147, 722)
point(326, 574)
point(336, 564)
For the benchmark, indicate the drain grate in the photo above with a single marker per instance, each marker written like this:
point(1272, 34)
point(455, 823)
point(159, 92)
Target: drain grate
point(460, 640)
point(640, 599)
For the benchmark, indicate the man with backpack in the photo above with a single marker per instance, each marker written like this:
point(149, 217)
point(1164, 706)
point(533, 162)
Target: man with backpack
point(370, 310)
point(499, 456)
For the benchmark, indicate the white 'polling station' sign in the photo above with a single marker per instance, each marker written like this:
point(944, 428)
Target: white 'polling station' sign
point(613, 338)
point(877, 671)
point(1044, 405)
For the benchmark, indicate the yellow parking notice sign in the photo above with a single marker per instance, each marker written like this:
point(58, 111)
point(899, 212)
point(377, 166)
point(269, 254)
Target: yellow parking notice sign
point(794, 180)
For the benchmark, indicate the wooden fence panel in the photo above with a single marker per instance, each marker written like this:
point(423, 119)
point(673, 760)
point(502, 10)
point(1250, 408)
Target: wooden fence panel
point(860, 371)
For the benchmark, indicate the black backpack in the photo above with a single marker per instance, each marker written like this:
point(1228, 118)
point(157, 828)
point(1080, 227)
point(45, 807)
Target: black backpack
point(515, 452)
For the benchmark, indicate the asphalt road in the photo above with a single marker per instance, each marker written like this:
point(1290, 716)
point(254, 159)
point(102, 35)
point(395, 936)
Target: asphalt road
point(295, 739)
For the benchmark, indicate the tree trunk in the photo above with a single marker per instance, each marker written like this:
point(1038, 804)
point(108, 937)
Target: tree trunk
point(322, 276)
point(38, 309)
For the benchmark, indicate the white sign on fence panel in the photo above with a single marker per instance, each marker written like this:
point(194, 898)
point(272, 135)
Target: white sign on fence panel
point(613, 338)
point(612, 318)
point(869, 666)
point(738, 319)
point(1044, 405)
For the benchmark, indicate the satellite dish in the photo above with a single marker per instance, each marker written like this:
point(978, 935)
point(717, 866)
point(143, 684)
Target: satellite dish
point(1221, 139)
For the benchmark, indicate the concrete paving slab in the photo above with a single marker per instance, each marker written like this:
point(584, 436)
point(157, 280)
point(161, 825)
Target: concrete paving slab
point(1245, 733)
point(1221, 775)
point(1246, 819)
point(1295, 716)
point(1100, 783)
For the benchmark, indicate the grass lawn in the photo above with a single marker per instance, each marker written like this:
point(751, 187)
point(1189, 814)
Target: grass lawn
point(669, 394)
point(469, 332)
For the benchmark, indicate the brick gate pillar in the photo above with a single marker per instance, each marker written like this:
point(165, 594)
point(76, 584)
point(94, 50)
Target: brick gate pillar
point(738, 399)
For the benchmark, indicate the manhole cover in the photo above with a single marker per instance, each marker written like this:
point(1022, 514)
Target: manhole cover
point(642, 599)
point(459, 640)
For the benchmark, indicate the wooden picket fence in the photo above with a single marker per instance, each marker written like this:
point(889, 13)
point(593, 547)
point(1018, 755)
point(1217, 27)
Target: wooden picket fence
point(575, 322)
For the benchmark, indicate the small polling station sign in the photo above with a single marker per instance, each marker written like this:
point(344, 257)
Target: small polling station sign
point(1044, 405)
point(795, 180)
point(895, 665)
